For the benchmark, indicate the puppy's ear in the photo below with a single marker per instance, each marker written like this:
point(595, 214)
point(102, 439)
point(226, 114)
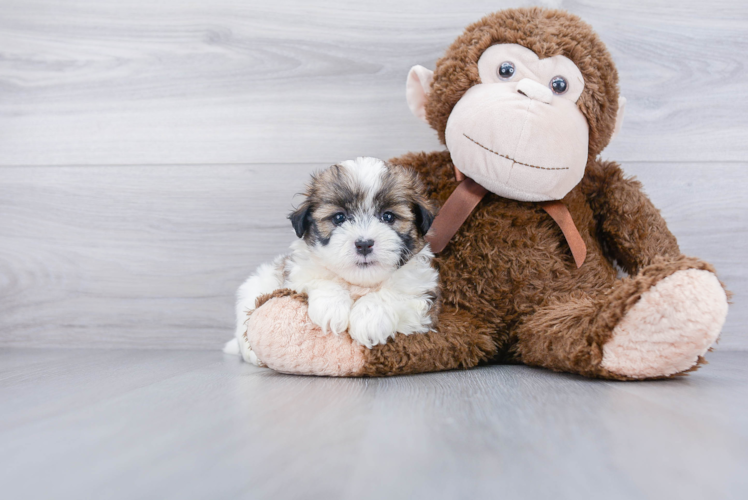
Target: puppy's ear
point(424, 217)
point(301, 219)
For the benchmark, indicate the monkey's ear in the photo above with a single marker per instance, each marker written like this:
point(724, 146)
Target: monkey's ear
point(619, 117)
point(301, 219)
point(417, 90)
point(424, 218)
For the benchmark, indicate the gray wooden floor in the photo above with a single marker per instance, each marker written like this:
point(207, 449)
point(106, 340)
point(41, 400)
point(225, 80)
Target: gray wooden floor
point(125, 424)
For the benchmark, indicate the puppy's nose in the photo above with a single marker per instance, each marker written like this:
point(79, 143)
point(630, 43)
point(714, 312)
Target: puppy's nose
point(363, 247)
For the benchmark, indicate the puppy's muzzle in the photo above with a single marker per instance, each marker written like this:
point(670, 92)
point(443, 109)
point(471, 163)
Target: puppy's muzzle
point(364, 247)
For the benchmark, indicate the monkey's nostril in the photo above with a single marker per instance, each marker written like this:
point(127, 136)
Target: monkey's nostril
point(364, 247)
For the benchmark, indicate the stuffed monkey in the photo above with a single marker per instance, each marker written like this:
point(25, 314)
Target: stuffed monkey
point(532, 225)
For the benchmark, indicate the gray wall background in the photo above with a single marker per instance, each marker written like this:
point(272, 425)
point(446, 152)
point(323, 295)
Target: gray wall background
point(149, 151)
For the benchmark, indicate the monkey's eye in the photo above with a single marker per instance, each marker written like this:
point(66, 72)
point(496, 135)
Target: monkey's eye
point(388, 217)
point(339, 218)
point(559, 85)
point(505, 70)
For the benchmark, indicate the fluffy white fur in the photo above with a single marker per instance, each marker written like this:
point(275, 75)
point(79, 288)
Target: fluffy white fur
point(369, 296)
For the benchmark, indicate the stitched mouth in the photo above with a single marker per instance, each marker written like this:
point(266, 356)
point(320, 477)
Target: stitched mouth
point(512, 159)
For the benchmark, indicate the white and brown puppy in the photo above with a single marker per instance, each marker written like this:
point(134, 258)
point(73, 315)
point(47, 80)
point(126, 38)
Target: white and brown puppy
point(361, 258)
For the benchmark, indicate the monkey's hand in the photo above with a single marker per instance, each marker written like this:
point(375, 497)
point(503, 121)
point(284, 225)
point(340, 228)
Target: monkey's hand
point(284, 338)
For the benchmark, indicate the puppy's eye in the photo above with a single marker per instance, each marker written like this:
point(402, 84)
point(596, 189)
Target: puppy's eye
point(388, 217)
point(505, 70)
point(339, 218)
point(559, 85)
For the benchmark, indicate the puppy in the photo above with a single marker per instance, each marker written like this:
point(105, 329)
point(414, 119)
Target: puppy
point(361, 258)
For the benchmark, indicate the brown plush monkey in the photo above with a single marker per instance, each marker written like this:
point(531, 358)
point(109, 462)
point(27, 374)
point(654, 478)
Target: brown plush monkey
point(525, 100)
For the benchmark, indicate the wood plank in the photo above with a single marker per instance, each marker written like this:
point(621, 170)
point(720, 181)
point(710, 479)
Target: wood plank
point(168, 424)
point(154, 251)
point(135, 82)
point(150, 257)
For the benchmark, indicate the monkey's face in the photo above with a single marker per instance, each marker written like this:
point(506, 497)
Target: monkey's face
point(519, 133)
point(523, 99)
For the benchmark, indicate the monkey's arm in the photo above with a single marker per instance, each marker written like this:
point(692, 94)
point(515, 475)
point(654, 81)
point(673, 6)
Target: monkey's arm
point(632, 228)
point(284, 339)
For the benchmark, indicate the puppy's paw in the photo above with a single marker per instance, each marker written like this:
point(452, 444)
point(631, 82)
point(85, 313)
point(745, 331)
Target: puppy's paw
point(372, 321)
point(330, 311)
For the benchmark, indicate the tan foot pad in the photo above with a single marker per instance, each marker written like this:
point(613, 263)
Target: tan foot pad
point(285, 339)
point(674, 323)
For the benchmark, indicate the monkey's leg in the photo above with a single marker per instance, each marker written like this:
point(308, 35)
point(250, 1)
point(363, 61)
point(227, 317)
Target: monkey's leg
point(656, 324)
point(283, 338)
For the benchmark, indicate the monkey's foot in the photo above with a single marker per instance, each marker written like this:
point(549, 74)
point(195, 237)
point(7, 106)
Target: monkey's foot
point(671, 326)
point(286, 340)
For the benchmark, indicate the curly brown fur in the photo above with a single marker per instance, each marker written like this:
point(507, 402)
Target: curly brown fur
point(632, 242)
point(569, 333)
point(461, 342)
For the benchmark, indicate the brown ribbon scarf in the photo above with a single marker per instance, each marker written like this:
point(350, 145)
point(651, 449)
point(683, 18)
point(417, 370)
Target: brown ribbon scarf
point(466, 197)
